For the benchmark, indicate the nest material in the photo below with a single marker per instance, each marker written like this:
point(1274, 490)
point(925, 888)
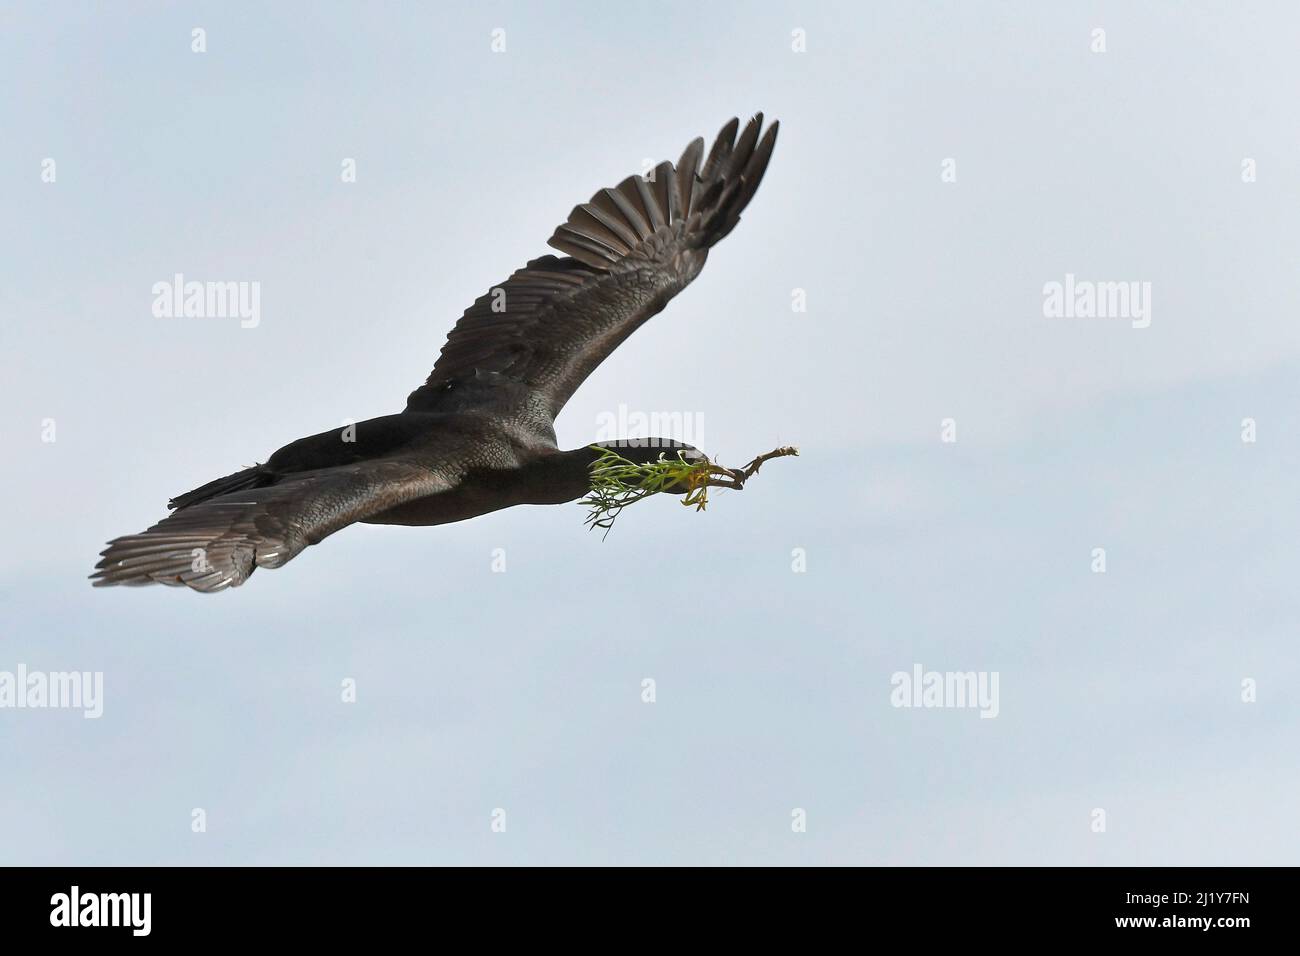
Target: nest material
point(617, 482)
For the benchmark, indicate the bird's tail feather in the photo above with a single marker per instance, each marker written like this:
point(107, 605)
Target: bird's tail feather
point(256, 477)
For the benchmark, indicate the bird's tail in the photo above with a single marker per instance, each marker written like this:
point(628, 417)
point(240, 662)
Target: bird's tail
point(256, 477)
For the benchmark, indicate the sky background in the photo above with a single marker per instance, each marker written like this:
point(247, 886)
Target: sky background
point(523, 690)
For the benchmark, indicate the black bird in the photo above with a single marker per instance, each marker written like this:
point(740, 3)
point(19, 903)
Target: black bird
point(479, 434)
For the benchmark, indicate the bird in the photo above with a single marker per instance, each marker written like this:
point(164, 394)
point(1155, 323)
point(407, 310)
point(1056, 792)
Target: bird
point(478, 435)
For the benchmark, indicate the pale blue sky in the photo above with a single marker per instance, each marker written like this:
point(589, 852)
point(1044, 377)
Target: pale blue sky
point(522, 690)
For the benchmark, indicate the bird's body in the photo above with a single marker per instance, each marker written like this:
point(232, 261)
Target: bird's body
point(479, 435)
point(486, 463)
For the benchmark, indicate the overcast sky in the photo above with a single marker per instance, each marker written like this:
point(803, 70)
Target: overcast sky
point(938, 166)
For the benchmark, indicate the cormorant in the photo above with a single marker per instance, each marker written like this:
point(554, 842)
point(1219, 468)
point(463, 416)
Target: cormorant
point(478, 435)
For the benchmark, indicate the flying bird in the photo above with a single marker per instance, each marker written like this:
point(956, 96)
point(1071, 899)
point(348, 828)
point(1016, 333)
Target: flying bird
point(479, 434)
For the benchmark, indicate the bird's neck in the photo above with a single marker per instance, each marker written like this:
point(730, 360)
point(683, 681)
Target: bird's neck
point(561, 476)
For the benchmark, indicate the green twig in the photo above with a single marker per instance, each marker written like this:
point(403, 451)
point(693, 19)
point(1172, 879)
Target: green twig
point(617, 482)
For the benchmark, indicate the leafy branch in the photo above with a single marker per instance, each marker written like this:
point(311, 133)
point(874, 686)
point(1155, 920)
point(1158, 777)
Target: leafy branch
point(617, 482)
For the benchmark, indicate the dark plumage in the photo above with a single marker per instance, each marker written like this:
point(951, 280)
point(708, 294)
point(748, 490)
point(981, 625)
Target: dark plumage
point(478, 435)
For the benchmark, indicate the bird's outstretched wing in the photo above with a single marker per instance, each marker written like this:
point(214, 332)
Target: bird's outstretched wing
point(630, 249)
point(218, 543)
